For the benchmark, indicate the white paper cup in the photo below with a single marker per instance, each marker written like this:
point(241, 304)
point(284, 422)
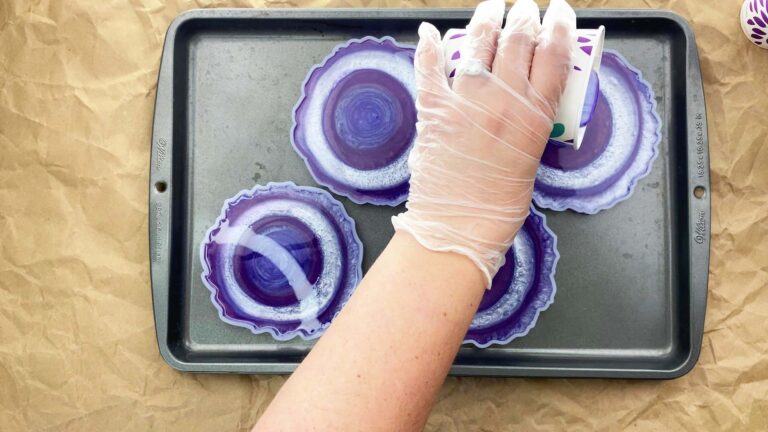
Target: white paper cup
point(754, 21)
point(587, 52)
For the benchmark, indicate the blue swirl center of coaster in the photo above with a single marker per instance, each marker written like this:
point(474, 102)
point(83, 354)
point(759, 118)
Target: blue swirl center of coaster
point(369, 119)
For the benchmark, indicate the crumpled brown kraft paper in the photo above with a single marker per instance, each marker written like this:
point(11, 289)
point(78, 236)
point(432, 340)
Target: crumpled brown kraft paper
point(77, 344)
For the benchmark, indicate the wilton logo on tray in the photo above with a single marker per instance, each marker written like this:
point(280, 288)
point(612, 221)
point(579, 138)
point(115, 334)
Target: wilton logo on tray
point(161, 147)
point(701, 227)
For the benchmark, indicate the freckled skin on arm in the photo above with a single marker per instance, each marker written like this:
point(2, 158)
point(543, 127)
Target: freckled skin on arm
point(381, 364)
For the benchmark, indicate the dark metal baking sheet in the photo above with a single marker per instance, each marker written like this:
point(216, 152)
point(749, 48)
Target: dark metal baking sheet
point(632, 280)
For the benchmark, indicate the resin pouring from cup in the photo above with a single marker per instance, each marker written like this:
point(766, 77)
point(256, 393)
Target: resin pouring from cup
point(580, 94)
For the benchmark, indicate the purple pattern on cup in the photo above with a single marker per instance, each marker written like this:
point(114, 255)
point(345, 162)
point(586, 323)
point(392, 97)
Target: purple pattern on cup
point(586, 45)
point(364, 93)
point(281, 259)
point(618, 149)
point(522, 288)
point(358, 121)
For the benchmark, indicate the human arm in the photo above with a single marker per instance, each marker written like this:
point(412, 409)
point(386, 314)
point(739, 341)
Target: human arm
point(381, 363)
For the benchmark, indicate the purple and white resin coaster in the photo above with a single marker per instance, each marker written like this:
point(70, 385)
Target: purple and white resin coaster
point(281, 259)
point(523, 287)
point(355, 122)
point(618, 149)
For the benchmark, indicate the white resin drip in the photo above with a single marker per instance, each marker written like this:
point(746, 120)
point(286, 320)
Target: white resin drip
point(313, 299)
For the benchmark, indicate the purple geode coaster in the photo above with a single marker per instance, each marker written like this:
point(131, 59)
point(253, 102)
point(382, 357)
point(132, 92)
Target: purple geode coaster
point(281, 259)
point(523, 287)
point(620, 145)
point(355, 122)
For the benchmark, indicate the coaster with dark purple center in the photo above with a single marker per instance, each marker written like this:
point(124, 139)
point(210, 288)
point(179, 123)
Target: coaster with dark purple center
point(355, 122)
point(619, 147)
point(281, 259)
point(523, 287)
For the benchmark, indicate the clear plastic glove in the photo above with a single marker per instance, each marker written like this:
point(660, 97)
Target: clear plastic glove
point(479, 143)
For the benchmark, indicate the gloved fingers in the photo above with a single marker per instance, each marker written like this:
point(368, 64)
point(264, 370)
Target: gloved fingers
point(482, 37)
point(517, 43)
point(552, 58)
point(429, 63)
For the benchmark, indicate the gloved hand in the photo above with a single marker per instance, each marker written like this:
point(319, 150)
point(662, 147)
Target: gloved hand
point(479, 143)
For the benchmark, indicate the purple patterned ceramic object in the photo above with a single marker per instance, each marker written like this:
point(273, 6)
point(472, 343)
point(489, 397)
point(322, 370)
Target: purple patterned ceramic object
point(754, 21)
point(281, 259)
point(355, 122)
point(619, 147)
point(523, 287)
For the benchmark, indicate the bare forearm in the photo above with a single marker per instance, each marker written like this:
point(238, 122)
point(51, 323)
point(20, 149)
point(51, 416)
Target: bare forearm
point(382, 362)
